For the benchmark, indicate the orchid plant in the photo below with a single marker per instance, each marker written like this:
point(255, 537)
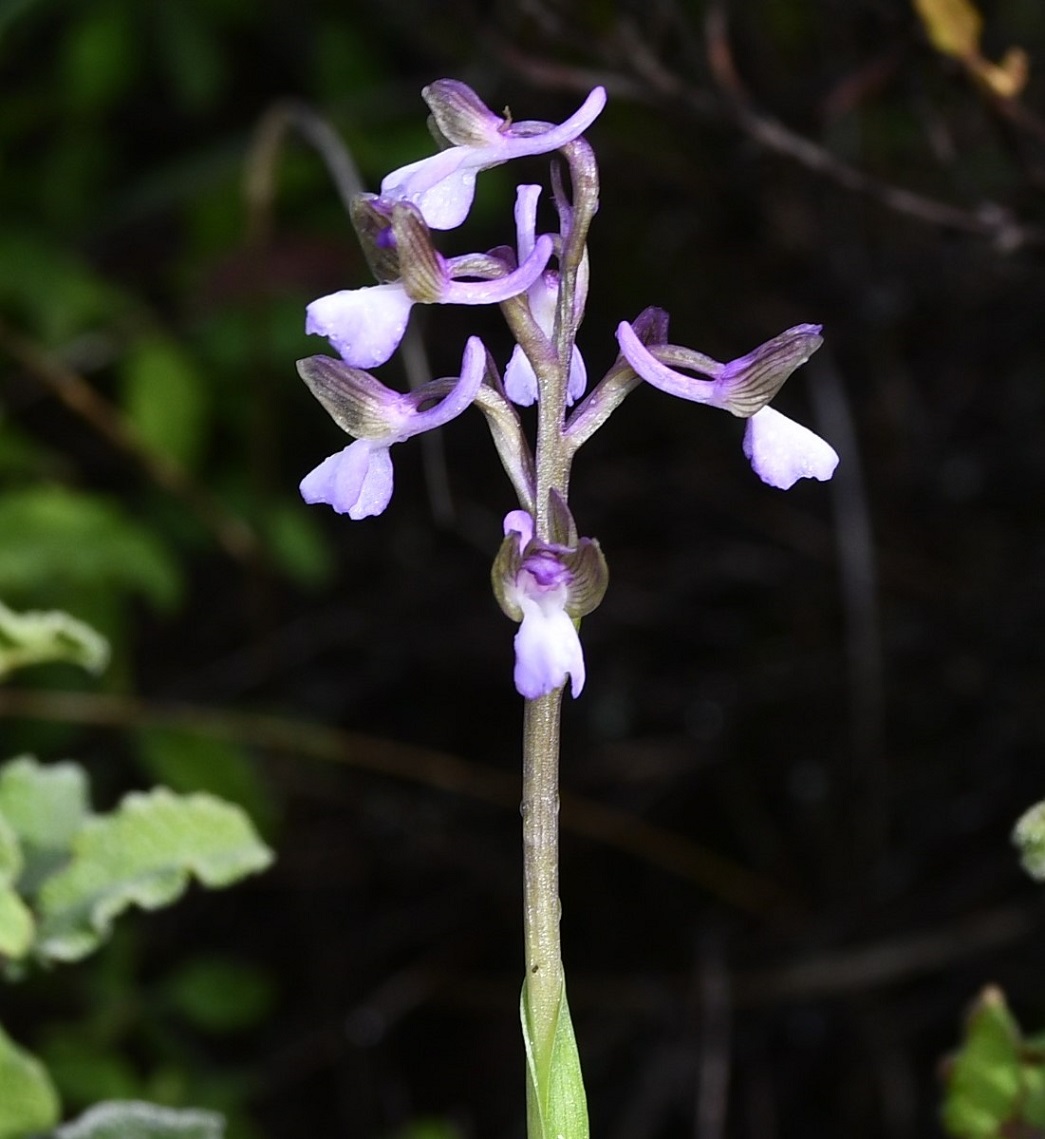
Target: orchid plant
point(545, 576)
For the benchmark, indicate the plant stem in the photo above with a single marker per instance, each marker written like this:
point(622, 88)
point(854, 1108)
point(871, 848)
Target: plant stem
point(541, 909)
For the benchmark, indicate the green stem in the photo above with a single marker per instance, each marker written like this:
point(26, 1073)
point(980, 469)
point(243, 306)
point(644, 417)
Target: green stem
point(540, 820)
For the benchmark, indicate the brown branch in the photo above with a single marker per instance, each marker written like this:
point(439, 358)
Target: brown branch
point(651, 82)
point(234, 535)
point(719, 876)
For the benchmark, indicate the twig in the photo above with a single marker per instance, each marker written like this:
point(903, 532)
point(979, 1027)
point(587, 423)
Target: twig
point(234, 535)
point(651, 82)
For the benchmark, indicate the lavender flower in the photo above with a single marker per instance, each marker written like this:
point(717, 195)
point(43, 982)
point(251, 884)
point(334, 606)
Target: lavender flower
point(366, 325)
point(781, 451)
point(443, 186)
point(546, 586)
point(520, 380)
point(357, 481)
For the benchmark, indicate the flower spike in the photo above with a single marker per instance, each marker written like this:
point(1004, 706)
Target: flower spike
point(357, 480)
point(443, 186)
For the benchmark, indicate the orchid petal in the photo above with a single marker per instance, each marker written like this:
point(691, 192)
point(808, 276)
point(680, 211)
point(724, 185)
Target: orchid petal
point(364, 325)
point(526, 218)
point(520, 380)
point(338, 480)
point(578, 378)
point(442, 186)
point(660, 375)
point(783, 451)
point(517, 144)
point(376, 491)
point(501, 288)
point(519, 522)
point(460, 396)
point(547, 650)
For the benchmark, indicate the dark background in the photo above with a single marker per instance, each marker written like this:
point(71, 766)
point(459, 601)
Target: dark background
point(811, 719)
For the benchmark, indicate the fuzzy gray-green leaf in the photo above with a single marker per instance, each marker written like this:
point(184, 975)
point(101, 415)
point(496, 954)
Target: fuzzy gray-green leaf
point(130, 1119)
point(144, 854)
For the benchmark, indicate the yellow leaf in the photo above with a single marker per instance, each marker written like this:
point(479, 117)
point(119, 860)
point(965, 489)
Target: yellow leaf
point(953, 26)
point(1008, 78)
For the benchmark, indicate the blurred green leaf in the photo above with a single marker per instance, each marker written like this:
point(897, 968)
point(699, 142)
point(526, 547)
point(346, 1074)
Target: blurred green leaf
point(29, 1102)
point(188, 761)
point(53, 292)
point(10, 852)
point(86, 1070)
point(984, 1080)
point(16, 924)
point(101, 57)
point(189, 53)
point(299, 543)
point(143, 855)
point(39, 636)
point(428, 1129)
point(41, 525)
point(165, 398)
point(220, 994)
point(45, 804)
point(1029, 836)
point(130, 1119)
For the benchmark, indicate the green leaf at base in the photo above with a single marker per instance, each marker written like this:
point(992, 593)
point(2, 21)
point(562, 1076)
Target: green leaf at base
point(555, 1098)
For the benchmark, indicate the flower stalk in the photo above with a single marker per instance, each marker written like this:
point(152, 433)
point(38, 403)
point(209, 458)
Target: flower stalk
point(545, 576)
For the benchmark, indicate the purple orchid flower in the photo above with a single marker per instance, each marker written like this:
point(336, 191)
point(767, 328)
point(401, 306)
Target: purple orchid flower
point(520, 380)
point(547, 646)
point(781, 451)
point(443, 186)
point(366, 325)
point(357, 481)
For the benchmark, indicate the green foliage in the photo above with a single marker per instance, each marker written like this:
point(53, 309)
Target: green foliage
point(1029, 837)
point(428, 1129)
point(29, 1102)
point(995, 1085)
point(132, 1120)
point(556, 1102)
point(187, 761)
point(41, 525)
point(165, 398)
point(55, 292)
point(220, 994)
point(38, 636)
point(143, 854)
